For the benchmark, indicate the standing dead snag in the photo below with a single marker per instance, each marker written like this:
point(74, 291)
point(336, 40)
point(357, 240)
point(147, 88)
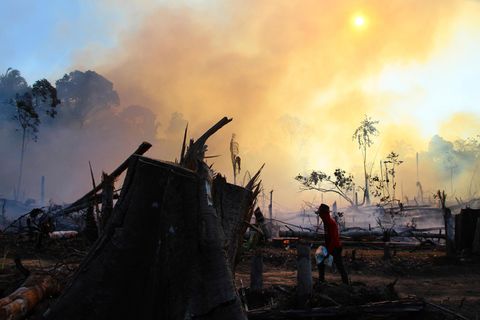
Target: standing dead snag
point(449, 225)
point(163, 253)
point(258, 237)
point(107, 199)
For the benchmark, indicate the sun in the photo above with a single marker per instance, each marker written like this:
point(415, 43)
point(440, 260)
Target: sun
point(359, 21)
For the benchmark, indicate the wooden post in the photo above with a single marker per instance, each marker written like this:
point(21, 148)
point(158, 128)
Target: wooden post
point(386, 245)
point(270, 212)
point(304, 274)
point(386, 251)
point(256, 272)
point(476, 239)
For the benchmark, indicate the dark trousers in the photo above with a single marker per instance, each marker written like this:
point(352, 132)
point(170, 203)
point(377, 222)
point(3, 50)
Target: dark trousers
point(337, 259)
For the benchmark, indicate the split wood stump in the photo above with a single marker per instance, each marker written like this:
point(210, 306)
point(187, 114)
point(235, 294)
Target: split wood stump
point(167, 250)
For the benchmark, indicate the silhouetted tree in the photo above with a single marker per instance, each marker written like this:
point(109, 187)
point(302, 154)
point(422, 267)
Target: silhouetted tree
point(11, 84)
point(384, 187)
point(28, 105)
point(341, 183)
point(83, 93)
point(364, 134)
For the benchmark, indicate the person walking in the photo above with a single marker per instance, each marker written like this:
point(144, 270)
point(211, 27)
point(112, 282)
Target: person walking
point(332, 243)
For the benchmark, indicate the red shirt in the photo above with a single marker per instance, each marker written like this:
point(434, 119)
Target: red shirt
point(332, 237)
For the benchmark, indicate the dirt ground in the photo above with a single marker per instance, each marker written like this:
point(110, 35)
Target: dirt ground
point(425, 274)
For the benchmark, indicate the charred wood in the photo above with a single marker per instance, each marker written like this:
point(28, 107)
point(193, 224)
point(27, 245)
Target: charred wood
point(36, 288)
point(107, 200)
point(377, 308)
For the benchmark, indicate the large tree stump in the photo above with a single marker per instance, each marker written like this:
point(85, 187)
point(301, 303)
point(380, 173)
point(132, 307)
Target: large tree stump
point(162, 254)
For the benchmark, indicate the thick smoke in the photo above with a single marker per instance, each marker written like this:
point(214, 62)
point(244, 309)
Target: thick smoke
point(292, 76)
point(90, 126)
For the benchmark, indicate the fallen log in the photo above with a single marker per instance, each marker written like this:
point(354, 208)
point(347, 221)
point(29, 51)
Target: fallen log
point(376, 308)
point(19, 303)
point(359, 235)
point(448, 311)
point(67, 234)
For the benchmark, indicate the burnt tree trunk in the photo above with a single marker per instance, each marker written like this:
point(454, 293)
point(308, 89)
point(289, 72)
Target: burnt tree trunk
point(162, 254)
point(449, 225)
point(476, 238)
point(107, 200)
point(214, 293)
point(24, 299)
point(91, 229)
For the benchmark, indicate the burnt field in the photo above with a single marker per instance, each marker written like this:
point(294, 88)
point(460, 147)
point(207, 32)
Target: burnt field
point(177, 241)
point(424, 275)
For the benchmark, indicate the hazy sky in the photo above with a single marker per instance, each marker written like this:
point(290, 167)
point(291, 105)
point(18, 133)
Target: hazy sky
point(296, 76)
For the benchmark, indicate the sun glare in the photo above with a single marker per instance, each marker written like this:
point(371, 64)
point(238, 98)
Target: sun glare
point(359, 21)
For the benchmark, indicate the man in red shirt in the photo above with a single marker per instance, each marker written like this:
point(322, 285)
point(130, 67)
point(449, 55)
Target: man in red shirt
point(332, 243)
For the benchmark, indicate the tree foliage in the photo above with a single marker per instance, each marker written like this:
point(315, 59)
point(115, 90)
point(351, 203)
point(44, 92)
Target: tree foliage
point(26, 105)
point(83, 93)
point(340, 183)
point(11, 83)
point(365, 132)
point(30, 104)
